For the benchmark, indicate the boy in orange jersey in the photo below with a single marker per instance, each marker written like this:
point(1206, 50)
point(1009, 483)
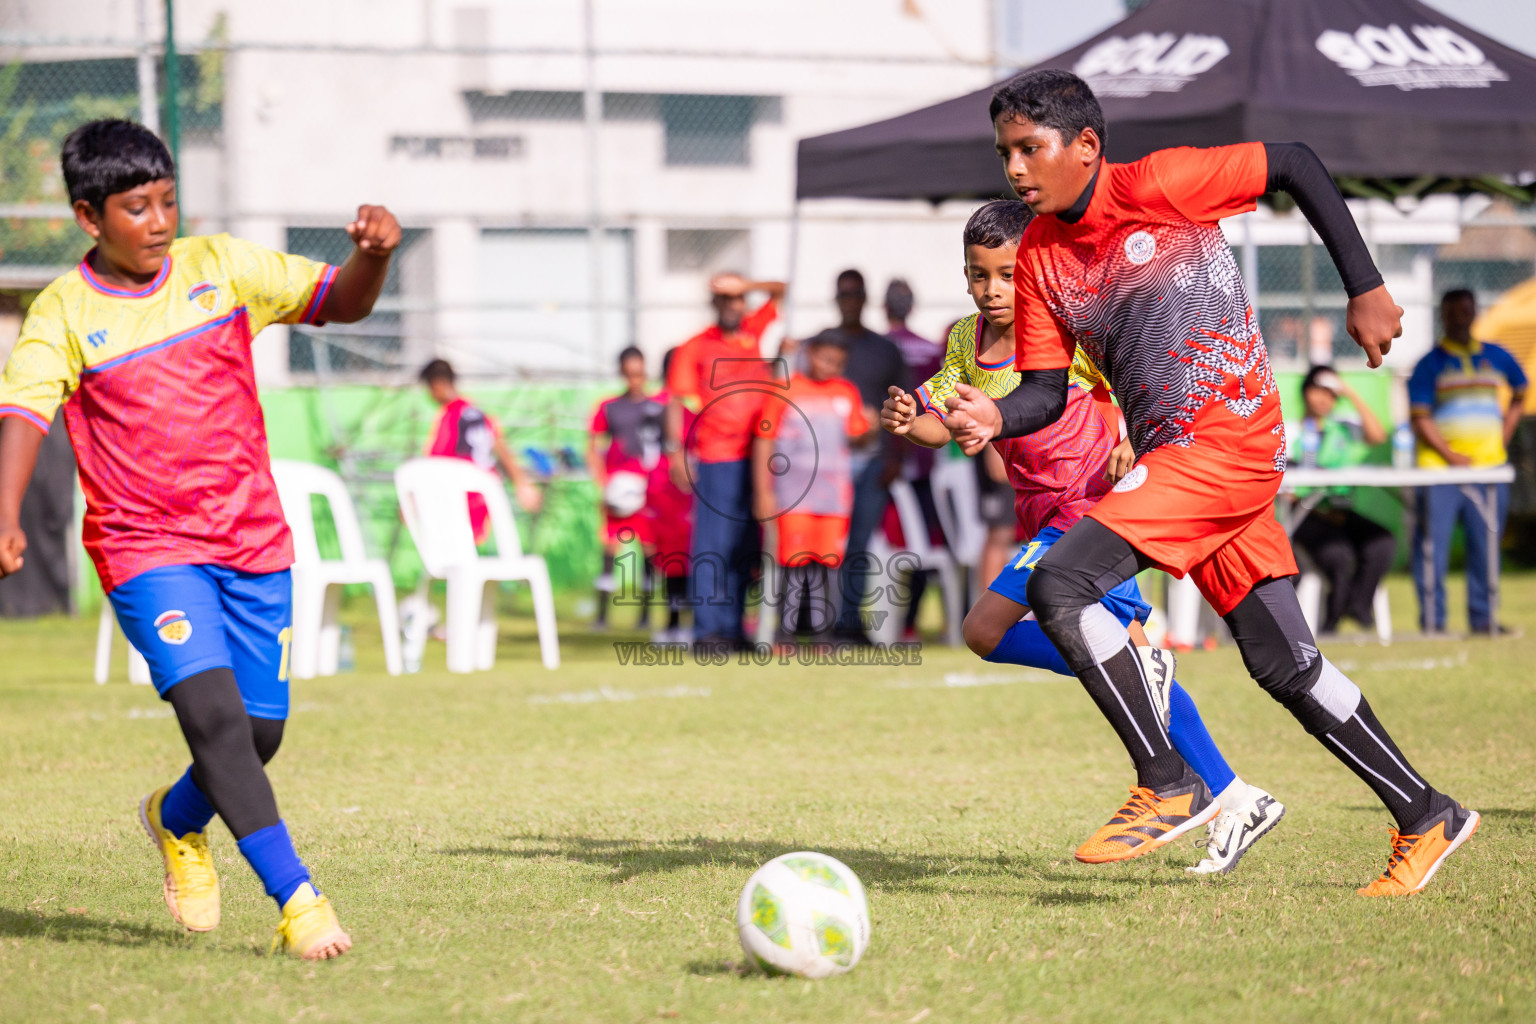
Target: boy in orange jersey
point(802, 481)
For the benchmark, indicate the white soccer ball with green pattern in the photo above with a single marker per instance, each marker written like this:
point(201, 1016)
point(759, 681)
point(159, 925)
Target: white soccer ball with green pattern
point(804, 914)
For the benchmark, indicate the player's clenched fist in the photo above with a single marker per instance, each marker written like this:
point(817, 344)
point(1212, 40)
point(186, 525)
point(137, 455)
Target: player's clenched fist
point(13, 543)
point(1121, 458)
point(899, 412)
point(1373, 320)
point(973, 418)
point(375, 231)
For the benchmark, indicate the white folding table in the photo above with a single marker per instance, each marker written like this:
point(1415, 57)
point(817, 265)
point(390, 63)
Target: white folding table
point(1477, 484)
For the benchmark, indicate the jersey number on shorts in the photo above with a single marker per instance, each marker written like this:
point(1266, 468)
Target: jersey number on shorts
point(286, 639)
point(1028, 560)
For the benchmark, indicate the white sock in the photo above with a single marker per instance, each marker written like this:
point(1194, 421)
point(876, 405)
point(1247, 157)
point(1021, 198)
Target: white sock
point(1234, 796)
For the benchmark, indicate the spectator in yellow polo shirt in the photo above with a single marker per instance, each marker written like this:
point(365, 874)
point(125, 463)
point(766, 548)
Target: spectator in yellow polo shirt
point(1465, 398)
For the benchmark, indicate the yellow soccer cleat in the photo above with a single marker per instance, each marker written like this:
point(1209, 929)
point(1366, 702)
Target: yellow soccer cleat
point(309, 929)
point(191, 884)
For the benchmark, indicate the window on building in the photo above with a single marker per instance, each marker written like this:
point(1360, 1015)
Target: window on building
point(708, 131)
point(539, 299)
point(708, 250)
point(375, 345)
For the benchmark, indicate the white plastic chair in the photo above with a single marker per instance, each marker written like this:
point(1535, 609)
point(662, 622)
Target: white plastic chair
point(317, 582)
point(959, 504)
point(434, 499)
point(1309, 594)
point(138, 668)
point(921, 555)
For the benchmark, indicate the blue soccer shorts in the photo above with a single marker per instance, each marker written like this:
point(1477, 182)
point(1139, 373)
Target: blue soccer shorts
point(187, 619)
point(1124, 601)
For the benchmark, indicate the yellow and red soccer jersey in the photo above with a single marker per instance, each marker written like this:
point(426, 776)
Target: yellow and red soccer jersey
point(1057, 472)
point(1147, 285)
point(160, 401)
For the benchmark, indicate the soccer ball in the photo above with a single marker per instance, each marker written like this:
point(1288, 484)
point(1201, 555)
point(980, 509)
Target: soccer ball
point(625, 493)
point(803, 914)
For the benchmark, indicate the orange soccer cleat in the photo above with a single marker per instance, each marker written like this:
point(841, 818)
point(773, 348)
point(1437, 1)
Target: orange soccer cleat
point(1415, 858)
point(1149, 820)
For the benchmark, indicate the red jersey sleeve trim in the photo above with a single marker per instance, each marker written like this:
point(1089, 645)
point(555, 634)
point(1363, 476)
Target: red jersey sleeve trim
point(925, 402)
point(311, 314)
point(25, 414)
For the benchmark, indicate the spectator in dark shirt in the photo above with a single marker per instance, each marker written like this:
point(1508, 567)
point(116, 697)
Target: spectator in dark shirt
point(874, 364)
point(923, 358)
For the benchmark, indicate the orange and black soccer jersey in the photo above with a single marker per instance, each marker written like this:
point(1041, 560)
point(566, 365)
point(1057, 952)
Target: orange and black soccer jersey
point(1145, 282)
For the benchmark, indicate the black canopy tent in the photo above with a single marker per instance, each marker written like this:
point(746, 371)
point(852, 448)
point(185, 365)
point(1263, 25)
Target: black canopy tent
point(1396, 99)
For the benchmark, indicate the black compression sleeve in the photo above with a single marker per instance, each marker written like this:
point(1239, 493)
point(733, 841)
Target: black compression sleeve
point(1037, 402)
point(1295, 169)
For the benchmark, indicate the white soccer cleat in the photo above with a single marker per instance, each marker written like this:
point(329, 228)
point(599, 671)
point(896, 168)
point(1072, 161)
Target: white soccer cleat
point(1231, 833)
point(1157, 665)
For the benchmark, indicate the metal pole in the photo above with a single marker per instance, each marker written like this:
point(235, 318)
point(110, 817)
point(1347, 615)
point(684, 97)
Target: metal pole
point(1251, 266)
point(592, 114)
point(149, 105)
point(172, 85)
point(794, 267)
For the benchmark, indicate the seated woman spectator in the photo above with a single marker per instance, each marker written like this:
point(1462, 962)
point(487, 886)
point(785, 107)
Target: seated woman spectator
point(1352, 552)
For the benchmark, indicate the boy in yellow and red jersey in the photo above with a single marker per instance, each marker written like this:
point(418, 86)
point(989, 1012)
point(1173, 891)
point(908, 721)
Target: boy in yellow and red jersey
point(1128, 262)
point(147, 345)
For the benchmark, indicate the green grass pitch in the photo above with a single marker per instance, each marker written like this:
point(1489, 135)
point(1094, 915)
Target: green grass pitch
point(530, 846)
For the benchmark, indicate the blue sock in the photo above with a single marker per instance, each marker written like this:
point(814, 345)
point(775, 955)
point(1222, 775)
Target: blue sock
point(272, 856)
point(1025, 644)
point(1194, 743)
point(185, 809)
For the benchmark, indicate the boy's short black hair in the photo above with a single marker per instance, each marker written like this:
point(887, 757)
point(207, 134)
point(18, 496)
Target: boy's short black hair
point(831, 336)
point(1456, 294)
point(438, 370)
point(852, 276)
point(102, 158)
point(1310, 380)
point(998, 224)
point(899, 299)
point(630, 352)
point(1051, 98)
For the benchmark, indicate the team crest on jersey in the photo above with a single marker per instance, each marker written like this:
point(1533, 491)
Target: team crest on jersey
point(842, 406)
point(1140, 247)
point(204, 295)
point(1132, 480)
point(174, 627)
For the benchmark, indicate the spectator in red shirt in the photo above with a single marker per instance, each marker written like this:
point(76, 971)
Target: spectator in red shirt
point(632, 423)
point(721, 375)
point(464, 432)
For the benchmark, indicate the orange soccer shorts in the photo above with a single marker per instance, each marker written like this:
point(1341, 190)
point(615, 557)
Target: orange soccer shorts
point(1206, 511)
point(806, 538)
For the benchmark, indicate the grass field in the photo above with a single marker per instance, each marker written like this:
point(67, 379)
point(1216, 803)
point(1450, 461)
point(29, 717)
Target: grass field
point(532, 846)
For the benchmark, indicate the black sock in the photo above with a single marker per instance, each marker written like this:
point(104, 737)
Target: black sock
point(648, 584)
point(604, 593)
point(1118, 687)
point(1368, 751)
point(677, 593)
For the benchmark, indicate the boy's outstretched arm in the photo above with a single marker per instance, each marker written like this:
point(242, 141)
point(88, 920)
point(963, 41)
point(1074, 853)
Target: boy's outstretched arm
point(375, 233)
point(19, 445)
point(900, 416)
point(1371, 318)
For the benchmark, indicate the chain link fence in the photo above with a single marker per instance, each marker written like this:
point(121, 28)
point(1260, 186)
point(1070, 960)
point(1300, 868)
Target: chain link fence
point(547, 228)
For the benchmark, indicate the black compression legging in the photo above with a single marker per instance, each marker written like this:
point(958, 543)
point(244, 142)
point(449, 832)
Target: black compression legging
point(229, 748)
